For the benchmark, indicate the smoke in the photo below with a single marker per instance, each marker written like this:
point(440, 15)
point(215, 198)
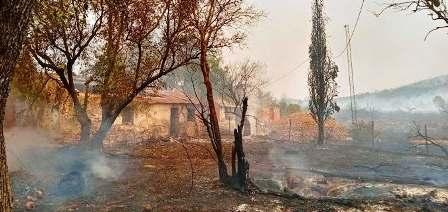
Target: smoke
point(62, 172)
point(22, 147)
point(101, 169)
point(422, 103)
point(285, 167)
point(415, 97)
point(287, 159)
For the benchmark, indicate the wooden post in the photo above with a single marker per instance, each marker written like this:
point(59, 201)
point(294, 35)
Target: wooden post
point(289, 139)
point(426, 140)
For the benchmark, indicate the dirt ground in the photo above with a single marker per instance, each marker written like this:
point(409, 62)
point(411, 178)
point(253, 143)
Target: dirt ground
point(181, 176)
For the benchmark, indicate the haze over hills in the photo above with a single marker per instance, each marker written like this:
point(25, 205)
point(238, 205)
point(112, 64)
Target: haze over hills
point(417, 97)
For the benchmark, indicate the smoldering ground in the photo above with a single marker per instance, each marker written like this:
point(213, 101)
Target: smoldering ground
point(349, 172)
point(45, 173)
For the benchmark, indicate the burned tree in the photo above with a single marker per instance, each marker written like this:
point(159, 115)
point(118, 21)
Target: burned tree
point(60, 35)
point(133, 43)
point(232, 84)
point(240, 173)
point(143, 44)
point(217, 24)
point(321, 79)
point(428, 139)
point(436, 9)
point(14, 19)
point(240, 166)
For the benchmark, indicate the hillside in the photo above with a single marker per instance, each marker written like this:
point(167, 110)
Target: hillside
point(417, 96)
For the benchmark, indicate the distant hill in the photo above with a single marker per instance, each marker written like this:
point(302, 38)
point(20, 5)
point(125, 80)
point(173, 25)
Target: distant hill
point(417, 97)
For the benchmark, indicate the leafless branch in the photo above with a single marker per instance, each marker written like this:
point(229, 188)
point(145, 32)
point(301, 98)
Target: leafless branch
point(429, 139)
point(435, 9)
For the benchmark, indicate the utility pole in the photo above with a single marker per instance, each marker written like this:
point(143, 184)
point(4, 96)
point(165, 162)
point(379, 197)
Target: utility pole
point(372, 117)
point(373, 133)
point(351, 76)
point(426, 140)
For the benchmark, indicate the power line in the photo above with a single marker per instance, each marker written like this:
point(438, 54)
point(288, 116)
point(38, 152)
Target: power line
point(286, 74)
point(349, 37)
point(306, 60)
point(354, 29)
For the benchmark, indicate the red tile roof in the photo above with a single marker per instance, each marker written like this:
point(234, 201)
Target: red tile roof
point(165, 97)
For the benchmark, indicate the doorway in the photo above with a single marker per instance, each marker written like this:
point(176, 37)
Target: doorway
point(174, 122)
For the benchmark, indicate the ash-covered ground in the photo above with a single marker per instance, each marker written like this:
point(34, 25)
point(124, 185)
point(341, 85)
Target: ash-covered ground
point(178, 175)
point(348, 171)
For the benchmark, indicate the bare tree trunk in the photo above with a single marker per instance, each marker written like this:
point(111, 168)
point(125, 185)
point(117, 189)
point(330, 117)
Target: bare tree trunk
point(110, 111)
point(242, 174)
point(98, 139)
point(321, 132)
point(205, 68)
point(5, 189)
point(14, 18)
point(84, 121)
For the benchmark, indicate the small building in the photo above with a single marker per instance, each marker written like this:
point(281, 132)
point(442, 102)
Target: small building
point(266, 117)
point(167, 113)
point(258, 119)
point(160, 114)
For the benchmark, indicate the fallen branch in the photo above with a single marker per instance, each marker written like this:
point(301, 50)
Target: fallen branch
point(429, 139)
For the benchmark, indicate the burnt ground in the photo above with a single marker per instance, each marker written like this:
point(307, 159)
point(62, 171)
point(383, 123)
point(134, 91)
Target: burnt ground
point(174, 176)
point(351, 172)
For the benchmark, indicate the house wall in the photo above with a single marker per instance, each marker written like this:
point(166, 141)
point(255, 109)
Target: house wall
point(155, 119)
point(41, 115)
point(150, 120)
point(258, 120)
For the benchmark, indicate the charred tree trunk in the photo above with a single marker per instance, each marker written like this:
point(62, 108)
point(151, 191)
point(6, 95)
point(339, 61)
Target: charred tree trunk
point(14, 18)
point(214, 124)
point(242, 174)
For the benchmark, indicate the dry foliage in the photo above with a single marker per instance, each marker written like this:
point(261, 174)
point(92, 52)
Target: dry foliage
point(120, 48)
point(304, 129)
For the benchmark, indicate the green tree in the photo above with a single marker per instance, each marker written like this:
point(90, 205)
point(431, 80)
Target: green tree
point(321, 79)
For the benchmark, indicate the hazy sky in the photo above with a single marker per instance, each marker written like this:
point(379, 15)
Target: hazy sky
point(388, 51)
